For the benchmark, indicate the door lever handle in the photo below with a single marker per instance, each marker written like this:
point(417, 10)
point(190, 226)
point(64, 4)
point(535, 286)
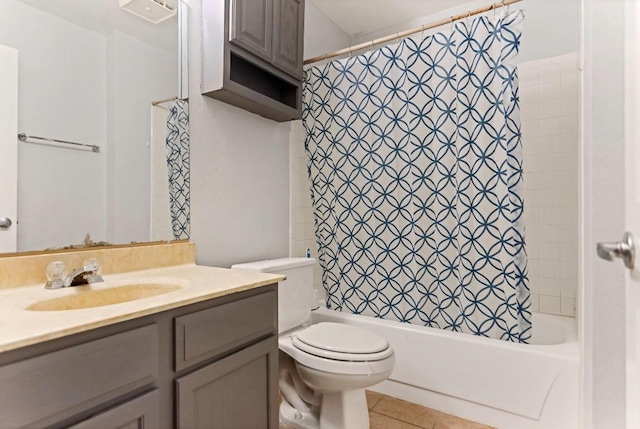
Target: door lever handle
point(624, 250)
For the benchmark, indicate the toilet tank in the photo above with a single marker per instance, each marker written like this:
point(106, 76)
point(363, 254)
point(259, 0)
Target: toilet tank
point(295, 294)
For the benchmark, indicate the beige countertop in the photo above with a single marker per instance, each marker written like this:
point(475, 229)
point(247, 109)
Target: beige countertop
point(20, 327)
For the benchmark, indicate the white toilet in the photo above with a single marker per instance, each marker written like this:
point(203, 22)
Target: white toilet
point(324, 367)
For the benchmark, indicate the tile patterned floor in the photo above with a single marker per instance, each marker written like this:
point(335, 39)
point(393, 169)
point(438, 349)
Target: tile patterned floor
point(387, 412)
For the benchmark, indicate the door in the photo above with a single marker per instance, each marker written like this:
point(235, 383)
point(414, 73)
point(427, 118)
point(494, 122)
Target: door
point(237, 392)
point(8, 148)
point(632, 210)
point(288, 20)
point(251, 26)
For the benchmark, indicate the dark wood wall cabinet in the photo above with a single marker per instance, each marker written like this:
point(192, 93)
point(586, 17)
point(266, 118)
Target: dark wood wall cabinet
point(200, 366)
point(252, 53)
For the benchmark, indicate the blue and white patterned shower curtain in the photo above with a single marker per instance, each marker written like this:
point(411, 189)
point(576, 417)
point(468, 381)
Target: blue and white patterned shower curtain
point(415, 162)
point(178, 165)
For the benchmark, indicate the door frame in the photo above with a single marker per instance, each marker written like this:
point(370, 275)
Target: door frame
point(632, 211)
point(9, 146)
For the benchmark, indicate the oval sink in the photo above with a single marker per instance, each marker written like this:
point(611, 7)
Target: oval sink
point(87, 298)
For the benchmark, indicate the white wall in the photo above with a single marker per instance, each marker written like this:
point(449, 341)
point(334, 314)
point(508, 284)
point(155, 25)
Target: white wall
point(321, 35)
point(603, 324)
point(239, 175)
point(137, 74)
point(240, 172)
point(63, 97)
point(551, 27)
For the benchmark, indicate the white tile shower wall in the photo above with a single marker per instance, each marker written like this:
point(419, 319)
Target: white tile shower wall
point(302, 231)
point(549, 113)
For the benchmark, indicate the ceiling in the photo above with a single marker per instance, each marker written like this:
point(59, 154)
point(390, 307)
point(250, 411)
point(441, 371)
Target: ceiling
point(104, 16)
point(357, 17)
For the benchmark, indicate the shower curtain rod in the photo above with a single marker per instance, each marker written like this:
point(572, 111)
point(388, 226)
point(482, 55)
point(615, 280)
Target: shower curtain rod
point(403, 34)
point(155, 103)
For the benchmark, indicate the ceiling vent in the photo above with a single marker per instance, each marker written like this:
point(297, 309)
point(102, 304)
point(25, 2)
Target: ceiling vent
point(154, 11)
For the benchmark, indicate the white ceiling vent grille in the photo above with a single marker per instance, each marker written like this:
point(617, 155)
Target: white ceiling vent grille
point(152, 10)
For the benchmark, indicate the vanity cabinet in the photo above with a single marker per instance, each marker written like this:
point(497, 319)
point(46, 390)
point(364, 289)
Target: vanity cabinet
point(252, 55)
point(202, 365)
point(219, 394)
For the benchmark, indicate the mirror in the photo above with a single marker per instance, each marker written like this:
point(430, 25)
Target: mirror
point(93, 73)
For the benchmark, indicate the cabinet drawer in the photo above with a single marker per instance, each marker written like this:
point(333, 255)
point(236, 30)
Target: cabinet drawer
point(211, 332)
point(49, 388)
point(139, 413)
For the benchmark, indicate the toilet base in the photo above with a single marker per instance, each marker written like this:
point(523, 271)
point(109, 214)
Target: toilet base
point(339, 410)
point(296, 419)
point(342, 410)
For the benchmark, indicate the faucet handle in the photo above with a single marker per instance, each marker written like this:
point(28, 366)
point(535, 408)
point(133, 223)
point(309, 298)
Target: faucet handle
point(56, 273)
point(93, 269)
point(92, 264)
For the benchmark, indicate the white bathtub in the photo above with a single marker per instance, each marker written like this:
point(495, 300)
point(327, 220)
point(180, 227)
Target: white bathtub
point(506, 385)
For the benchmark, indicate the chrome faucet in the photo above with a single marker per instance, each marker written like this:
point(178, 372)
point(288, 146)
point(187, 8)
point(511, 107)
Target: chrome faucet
point(88, 273)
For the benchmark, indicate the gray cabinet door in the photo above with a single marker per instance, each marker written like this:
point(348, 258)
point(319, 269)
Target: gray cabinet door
point(47, 389)
point(250, 26)
point(237, 392)
point(288, 36)
point(139, 413)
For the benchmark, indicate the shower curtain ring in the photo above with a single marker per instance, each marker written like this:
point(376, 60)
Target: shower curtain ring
point(507, 6)
point(422, 32)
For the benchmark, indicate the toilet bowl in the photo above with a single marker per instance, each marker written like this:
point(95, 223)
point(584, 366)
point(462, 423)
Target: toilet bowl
point(338, 362)
point(324, 367)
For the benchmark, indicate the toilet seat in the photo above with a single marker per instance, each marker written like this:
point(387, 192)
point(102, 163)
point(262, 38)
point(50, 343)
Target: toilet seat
point(342, 343)
point(333, 361)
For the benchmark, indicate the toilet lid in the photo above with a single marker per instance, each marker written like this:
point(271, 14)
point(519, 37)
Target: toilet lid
point(341, 342)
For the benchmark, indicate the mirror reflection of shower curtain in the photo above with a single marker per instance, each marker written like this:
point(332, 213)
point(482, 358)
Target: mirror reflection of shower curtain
point(415, 161)
point(160, 220)
point(178, 166)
